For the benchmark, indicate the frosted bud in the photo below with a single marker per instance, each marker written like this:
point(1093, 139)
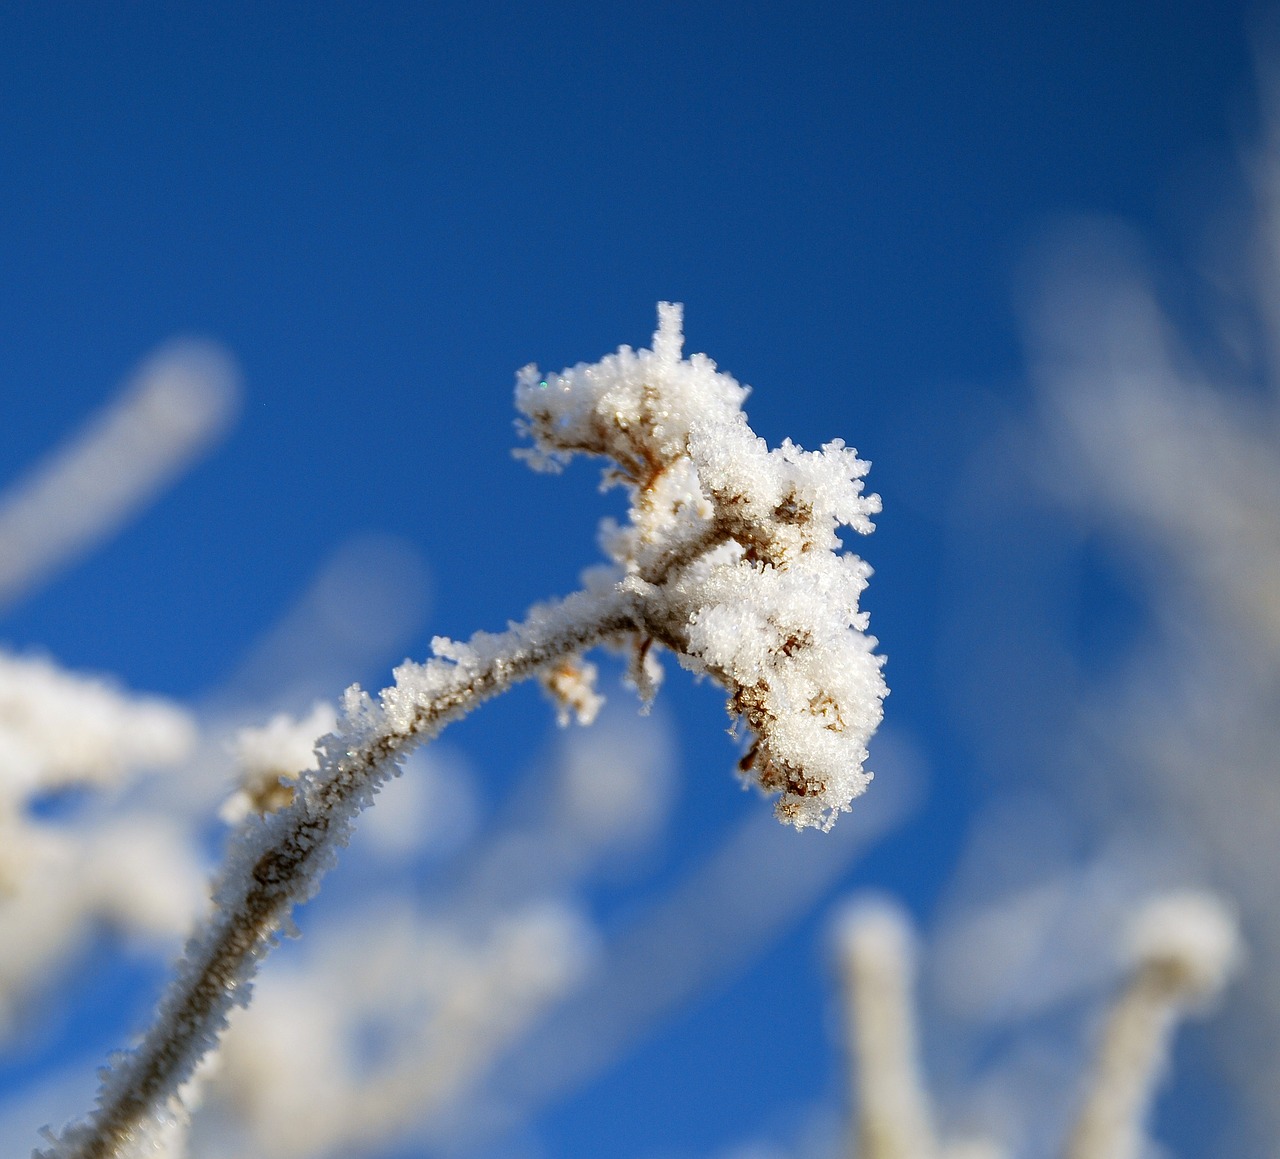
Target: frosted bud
point(272, 757)
point(571, 684)
point(1191, 938)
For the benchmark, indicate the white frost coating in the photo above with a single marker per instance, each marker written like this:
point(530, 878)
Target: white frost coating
point(180, 401)
point(728, 561)
point(762, 600)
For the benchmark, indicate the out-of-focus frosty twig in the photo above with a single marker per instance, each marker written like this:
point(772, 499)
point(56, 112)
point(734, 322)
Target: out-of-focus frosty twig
point(180, 402)
point(736, 899)
point(1139, 419)
point(877, 972)
point(1168, 430)
point(1026, 938)
point(1184, 947)
point(58, 730)
point(357, 611)
point(140, 874)
point(730, 561)
point(609, 795)
point(393, 1017)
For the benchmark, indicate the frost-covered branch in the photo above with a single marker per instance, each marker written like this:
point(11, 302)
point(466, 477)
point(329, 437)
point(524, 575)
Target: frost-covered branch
point(1184, 948)
point(877, 966)
point(277, 861)
point(765, 601)
point(730, 560)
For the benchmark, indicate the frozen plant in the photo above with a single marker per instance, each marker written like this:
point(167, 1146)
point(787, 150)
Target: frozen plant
point(877, 966)
point(730, 560)
point(1182, 948)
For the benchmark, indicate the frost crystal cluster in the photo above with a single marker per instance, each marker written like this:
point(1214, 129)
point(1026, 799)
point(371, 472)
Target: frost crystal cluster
point(733, 552)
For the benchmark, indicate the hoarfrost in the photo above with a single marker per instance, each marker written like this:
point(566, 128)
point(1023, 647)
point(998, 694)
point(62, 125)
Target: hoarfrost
point(734, 550)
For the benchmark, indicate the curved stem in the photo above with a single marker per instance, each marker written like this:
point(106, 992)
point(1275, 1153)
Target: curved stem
point(279, 861)
point(1134, 1046)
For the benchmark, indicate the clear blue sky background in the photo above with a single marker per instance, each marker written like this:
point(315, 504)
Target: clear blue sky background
point(385, 209)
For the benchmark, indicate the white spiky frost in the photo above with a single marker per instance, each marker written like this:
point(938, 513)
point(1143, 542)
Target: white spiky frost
point(270, 759)
point(734, 549)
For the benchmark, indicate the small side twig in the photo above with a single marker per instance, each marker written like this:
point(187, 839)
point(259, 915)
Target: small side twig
point(1184, 948)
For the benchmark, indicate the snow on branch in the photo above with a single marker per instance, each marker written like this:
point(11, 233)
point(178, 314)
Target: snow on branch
point(730, 559)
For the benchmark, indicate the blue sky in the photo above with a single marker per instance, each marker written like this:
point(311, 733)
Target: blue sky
point(384, 210)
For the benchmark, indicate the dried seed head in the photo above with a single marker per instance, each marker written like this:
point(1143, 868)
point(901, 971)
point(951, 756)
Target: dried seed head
point(734, 551)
